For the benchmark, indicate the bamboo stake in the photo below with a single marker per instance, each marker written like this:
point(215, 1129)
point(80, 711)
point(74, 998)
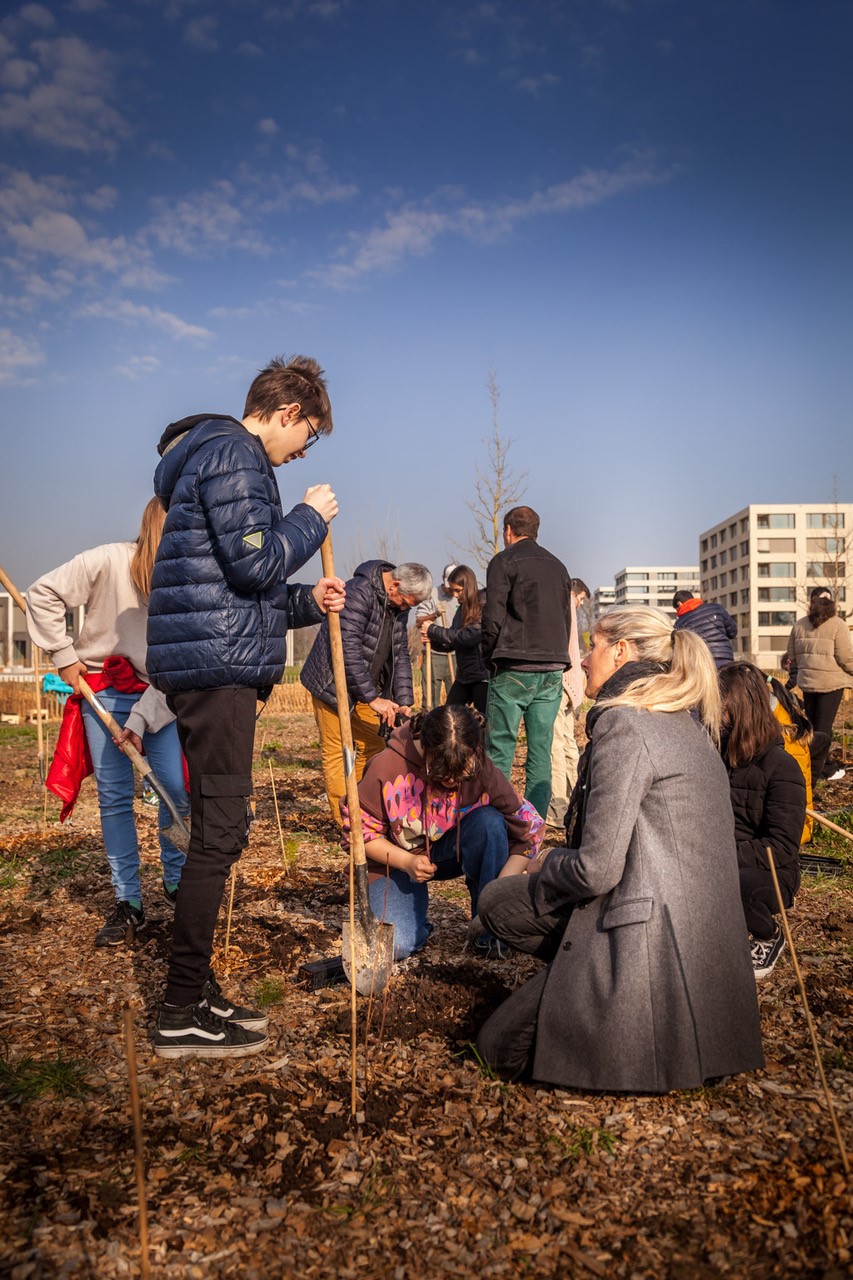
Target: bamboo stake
point(230, 909)
point(39, 729)
point(278, 819)
point(130, 1048)
point(451, 659)
point(427, 699)
point(825, 822)
point(44, 789)
point(809, 1019)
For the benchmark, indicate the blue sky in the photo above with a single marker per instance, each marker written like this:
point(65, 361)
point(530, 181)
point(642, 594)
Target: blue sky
point(636, 212)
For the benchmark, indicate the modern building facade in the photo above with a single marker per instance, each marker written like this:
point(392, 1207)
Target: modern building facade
point(603, 598)
point(16, 648)
point(762, 563)
point(655, 585)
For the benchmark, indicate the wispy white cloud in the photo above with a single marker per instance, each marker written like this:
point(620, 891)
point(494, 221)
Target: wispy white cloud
point(133, 313)
point(267, 127)
point(412, 231)
point(206, 221)
point(16, 355)
point(139, 367)
point(200, 34)
point(535, 84)
point(67, 102)
point(38, 16)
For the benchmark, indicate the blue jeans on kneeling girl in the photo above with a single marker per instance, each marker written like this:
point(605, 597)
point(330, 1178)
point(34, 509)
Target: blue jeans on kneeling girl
point(399, 900)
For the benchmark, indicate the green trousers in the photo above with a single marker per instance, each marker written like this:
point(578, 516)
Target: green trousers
point(534, 697)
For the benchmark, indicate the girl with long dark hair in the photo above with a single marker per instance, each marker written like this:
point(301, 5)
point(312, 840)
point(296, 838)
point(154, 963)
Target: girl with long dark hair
point(434, 807)
point(462, 637)
point(769, 802)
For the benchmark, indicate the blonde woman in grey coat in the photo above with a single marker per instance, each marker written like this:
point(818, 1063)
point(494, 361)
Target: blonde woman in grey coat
point(649, 984)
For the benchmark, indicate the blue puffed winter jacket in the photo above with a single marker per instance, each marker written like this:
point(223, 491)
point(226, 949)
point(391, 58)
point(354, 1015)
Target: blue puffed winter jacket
point(220, 605)
point(361, 627)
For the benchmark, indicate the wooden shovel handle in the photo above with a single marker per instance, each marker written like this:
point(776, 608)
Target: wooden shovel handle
point(13, 590)
point(825, 822)
point(336, 645)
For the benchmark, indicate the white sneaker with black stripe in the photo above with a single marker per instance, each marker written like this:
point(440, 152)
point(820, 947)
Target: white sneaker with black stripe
point(194, 1031)
point(250, 1019)
point(766, 953)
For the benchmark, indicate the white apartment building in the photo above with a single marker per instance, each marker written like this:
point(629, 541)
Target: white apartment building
point(762, 563)
point(16, 648)
point(655, 585)
point(603, 598)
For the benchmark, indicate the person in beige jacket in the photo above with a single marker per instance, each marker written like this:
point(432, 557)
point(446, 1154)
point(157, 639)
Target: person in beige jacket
point(113, 582)
point(820, 660)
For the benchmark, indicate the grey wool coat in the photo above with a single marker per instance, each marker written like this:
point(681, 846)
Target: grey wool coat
point(652, 988)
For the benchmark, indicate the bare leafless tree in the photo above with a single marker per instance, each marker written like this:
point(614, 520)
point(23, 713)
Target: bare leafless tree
point(496, 486)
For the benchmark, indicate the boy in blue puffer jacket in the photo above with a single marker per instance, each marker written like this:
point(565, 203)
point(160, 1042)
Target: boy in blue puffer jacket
point(218, 616)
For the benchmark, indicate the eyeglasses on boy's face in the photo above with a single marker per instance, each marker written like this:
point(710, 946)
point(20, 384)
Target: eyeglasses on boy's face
point(313, 435)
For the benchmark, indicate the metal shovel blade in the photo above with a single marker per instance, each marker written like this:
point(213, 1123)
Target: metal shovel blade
point(370, 949)
point(368, 946)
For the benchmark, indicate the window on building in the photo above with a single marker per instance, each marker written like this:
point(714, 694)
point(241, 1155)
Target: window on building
point(713, 562)
point(724, 579)
point(826, 569)
point(826, 546)
point(777, 595)
point(776, 520)
point(733, 529)
point(783, 569)
point(713, 539)
point(732, 599)
point(637, 577)
point(722, 536)
point(825, 520)
point(69, 623)
point(744, 595)
point(704, 566)
point(704, 545)
point(19, 648)
point(668, 577)
point(775, 644)
point(777, 618)
point(724, 555)
point(744, 524)
point(744, 548)
point(713, 584)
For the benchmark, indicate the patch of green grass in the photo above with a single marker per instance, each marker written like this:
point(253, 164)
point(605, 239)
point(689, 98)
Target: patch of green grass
point(59, 864)
point(28, 1078)
point(582, 1140)
point(375, 1191)
point(17, 732)
point(10, 874)
point(837, 1060)
point(269, 991)
point(470, 1050)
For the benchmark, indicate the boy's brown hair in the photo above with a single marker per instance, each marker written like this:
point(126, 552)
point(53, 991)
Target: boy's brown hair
point(523, 521)
point(291, 380)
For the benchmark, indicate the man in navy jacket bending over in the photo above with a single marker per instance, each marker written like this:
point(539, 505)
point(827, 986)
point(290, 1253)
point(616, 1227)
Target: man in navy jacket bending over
point(217, 620)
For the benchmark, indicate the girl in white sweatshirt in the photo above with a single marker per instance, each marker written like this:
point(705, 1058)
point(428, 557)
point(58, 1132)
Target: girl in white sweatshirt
point(113, 582)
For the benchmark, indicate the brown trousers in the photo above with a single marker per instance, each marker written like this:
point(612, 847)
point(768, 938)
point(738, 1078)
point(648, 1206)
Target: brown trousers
point(366, 741)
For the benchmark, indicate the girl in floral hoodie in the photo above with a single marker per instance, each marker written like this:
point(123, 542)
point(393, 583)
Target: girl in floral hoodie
point(434, 807)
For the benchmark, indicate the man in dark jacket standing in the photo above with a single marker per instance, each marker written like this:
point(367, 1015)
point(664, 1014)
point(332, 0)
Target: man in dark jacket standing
point(712, 622)
point(218, 616)
point(377, 664)
point(526, 639)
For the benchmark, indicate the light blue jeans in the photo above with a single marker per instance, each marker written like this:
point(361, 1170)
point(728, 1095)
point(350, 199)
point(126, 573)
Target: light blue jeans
point(398, 900)
point(114, 778)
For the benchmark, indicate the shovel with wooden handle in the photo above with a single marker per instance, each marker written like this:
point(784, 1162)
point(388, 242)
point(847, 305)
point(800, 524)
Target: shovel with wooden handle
point(368, 945)
point(177, 831)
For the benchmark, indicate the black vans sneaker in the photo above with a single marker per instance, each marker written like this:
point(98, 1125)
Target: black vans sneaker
point(120, 926)
point(766, 953)
point(250, 1019)
point(193, 1031)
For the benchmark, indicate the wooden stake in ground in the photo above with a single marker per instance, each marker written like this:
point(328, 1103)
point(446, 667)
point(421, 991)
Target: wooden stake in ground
point(451, 660)
point(427, 698)
point(809, 1019)
point(130, 1049)
point(278, 820)
point(39, 727)
point(44, 789)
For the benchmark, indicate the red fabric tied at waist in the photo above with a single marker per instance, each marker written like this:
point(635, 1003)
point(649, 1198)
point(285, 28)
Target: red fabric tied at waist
point(71, 760)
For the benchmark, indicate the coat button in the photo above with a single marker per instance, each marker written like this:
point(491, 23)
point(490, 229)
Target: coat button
point(567, 946)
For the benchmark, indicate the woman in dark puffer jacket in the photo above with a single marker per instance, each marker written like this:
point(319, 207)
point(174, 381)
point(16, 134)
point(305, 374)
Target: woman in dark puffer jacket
point(463, 637)
point(769, 802)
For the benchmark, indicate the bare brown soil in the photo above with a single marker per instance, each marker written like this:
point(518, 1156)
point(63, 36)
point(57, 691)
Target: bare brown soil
point(256, 1169)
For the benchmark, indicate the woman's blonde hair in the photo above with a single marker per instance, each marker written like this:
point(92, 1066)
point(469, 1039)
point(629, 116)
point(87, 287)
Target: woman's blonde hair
point(150, 532)
point(691, 679)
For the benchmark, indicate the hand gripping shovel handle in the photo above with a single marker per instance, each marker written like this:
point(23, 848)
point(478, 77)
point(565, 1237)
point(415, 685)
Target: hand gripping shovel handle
point(177, 831)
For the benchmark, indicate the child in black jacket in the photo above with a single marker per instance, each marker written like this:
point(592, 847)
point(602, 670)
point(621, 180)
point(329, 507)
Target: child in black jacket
point(768, 793)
